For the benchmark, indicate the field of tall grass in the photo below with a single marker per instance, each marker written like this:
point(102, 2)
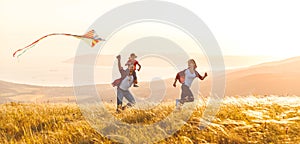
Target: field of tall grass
point(251, 119)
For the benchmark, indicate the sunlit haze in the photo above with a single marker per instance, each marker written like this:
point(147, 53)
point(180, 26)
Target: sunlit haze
point(248, 33)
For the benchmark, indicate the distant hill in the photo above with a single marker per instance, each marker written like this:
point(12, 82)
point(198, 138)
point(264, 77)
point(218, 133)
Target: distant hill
point(29, 93)
point(278, 78)
point(272, 78)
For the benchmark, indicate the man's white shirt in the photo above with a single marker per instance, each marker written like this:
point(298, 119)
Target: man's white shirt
point(126, 82)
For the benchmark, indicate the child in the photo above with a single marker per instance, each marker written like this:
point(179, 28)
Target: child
point(186, 78)
point(132, 60)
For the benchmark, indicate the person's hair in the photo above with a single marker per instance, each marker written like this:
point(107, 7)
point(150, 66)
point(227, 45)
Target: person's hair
point(192, 61)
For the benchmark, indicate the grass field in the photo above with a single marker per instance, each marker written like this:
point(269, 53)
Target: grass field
point(251, 119)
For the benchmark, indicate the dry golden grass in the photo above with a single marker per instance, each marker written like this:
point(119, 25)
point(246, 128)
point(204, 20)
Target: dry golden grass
point(240, 120)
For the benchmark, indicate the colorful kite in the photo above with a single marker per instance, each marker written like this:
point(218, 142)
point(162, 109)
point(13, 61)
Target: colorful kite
point(90, 38)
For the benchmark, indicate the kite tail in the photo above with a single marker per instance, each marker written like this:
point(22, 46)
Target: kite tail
point(90, 38)
point(23, 50)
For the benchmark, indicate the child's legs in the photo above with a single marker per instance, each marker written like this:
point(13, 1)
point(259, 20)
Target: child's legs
point(134, 77)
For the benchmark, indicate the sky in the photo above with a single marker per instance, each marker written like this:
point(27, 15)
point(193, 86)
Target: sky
point(268, 28)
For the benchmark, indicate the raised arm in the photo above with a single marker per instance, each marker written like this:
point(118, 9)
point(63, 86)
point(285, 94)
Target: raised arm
point(119, 62)
point(202, 77)
point(122, 71)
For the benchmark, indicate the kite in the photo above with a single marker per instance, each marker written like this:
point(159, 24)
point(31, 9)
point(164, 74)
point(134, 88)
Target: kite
point(90, 38)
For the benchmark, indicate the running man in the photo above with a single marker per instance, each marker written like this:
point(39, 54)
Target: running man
point(123, 84)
